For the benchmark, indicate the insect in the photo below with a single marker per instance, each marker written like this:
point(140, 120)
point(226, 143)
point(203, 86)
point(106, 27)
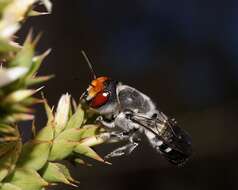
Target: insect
point(129, 113)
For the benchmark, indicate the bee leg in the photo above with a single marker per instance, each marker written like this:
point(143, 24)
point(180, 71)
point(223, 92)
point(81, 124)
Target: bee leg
point(108, 124)
point(120, 136)
point(126, 149)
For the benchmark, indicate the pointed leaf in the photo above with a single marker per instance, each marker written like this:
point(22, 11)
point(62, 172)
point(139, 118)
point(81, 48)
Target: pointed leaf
point(7, 46)
point(7, 129)
point(38, 80)
point(9, 186)
point(8, 161)
point(65, 142)
point(25, 55)
point(27, 179)
point(93, 140)
point(8, 76)
point(47, 4)
point(91, 130)
point(62, 113)
point(53, 173)
point(35, 153)
point(87, 151)
point(5, 147)
point(36, 63)
point(48, 110)
point(18, 96)
point(18, 117)
point(66, 172)
point(76, 119)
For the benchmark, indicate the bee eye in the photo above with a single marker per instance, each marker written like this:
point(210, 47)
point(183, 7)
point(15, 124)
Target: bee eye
point(100, 99)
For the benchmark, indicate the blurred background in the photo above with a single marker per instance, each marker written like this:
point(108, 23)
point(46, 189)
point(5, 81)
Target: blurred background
point(183, 54)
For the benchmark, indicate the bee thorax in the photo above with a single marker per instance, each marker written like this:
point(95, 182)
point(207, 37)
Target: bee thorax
point(122, 121)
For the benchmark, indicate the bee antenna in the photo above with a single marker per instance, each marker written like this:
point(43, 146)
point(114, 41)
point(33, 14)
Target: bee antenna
point(89, 64)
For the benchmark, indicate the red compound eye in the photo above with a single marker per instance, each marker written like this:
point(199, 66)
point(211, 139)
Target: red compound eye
point(100, 99)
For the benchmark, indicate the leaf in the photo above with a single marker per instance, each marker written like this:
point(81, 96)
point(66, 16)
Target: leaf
point(18, 117)
point(7, 46)
point(66, 172)
point(81, 162)
point(53, 173)
point(36, 63)
point(65, 142)
point(37, 13)
point(87, 151)
point(8, 161)
point(93, 140)
point(91, 130)
point(20, 108)
point(47, 4)
point(25, 55)
point(8, 76)
point(62, 113)
point(30, 101)
point(18, 96)
point(35, 153)
point(49, 111)
point(38, 80)
point(4, 3)
point(7, 129)
point(11, 16)
point(5, 147)
point(9, 186)
point(77, 119)
point(26, 179)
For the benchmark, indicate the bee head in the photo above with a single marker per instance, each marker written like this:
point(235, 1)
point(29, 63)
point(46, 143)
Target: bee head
point(101, 93)
point(97, 94)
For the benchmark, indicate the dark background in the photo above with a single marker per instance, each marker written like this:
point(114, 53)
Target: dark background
point(183, 54)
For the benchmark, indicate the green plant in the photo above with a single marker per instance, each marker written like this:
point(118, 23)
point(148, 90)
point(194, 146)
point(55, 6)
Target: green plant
point(35, 164)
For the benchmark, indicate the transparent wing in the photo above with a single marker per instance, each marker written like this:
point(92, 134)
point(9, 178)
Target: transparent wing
point(167, 131)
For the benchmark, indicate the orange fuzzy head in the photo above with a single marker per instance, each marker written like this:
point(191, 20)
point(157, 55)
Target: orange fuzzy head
point(96, 86)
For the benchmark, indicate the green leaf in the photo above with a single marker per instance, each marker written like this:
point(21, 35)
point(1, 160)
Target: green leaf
point(3, 4)
point(93, 140)
point(18, 117)
point(9, 186)
point(53, 173)
point(87, 151)
point(7, 46)
point(66, 172)
point(18, 96)
point(27, 179)
point(77, 119)
point(35, 153)
point(8, 161)
point(30, 101)
point(49, 112)
point(38, 80)
point(81, 162)
point(91, 130)
point(25, 55)
point(20, 108)
point(65, 142)
point(36, 63)
point(7, 129)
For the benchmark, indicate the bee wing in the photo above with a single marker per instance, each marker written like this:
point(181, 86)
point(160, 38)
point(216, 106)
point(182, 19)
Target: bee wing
point(176, 143)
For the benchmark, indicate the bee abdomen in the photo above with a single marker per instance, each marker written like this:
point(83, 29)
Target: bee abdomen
point(172, 155)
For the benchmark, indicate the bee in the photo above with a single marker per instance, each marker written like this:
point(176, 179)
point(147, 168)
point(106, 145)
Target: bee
point(129, 113)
